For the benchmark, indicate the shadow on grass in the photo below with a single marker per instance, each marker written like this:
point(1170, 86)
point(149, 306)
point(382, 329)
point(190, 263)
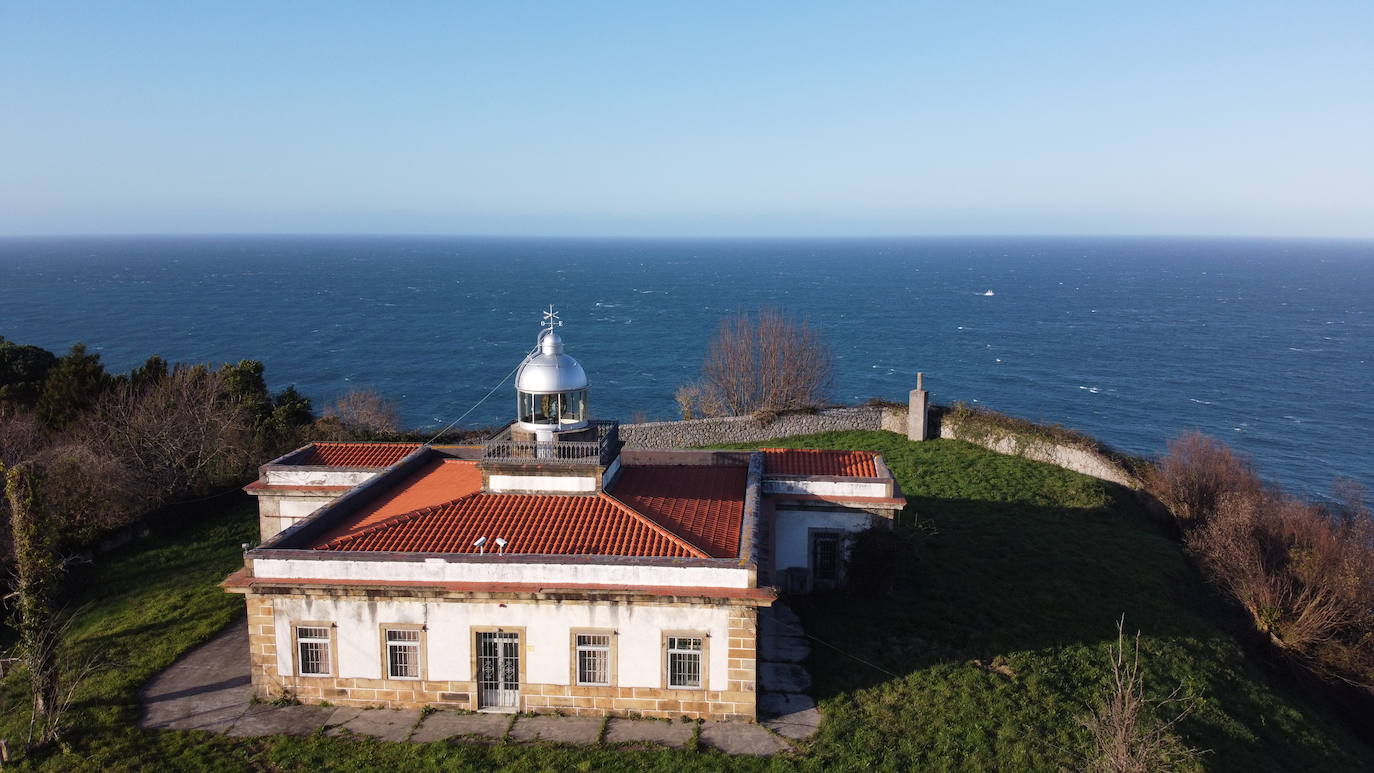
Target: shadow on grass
point(1000, 631)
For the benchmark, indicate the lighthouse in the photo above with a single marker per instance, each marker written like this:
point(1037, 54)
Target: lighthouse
point(553, 445)
point(551, 389)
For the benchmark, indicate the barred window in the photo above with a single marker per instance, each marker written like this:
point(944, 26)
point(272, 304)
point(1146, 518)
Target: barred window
point(403, 653)
point(684, 661)
point(593, 658)
point(313, 643)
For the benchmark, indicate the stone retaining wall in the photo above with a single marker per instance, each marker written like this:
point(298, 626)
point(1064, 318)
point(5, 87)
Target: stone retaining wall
point(746, 429)
point(1070, 458)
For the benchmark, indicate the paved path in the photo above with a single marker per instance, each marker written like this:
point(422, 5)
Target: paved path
point(784, 707)
point(209, 689)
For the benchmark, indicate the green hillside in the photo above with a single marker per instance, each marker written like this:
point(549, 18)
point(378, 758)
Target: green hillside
point(995, 641)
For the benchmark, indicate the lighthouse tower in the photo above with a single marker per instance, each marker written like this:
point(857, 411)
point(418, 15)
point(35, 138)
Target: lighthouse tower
point(551, 390)
point(553, 446)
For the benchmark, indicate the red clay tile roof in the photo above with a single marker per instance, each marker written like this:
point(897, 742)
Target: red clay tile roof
point(435, 483)
point(539, 524)
point(355, 454)
point(704, 505)
point(808, 461)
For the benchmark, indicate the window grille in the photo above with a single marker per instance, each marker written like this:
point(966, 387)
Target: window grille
point(593, 658)
point(684, 661)
point(314, 650)
point(403, 653)
point(825, 556)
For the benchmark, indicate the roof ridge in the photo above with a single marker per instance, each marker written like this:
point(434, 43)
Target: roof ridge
point(365, 443)
point(653, 524)
point(399, 518)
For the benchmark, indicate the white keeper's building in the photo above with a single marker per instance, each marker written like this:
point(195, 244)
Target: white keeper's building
point(545, 570)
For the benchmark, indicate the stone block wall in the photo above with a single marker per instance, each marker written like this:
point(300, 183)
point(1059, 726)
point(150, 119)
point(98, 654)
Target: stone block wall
point(746, 429)
point(693, 433)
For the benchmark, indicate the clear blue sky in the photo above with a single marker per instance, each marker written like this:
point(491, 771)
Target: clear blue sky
point(739, 118)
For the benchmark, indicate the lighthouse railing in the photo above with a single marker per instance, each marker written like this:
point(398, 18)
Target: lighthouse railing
point(500, 447)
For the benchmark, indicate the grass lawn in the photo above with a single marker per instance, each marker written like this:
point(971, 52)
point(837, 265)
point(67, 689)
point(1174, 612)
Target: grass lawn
point(996, 641)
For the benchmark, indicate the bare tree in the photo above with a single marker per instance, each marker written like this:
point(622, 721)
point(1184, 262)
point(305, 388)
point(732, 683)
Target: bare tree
point(1130, 732)
point(21, 435)
point(766, 362)
point(366, 414)
point(70, 668)
point(177, 434)
point(53, 497)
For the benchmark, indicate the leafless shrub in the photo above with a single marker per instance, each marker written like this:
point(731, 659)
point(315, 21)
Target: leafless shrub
point(176, 435)
point(1130, 732)
point(765, 362)
point(1305, 574)
point(51, 647)
point(366, 415)
point(1195, 474)
point(92, 492)
point(21, 436)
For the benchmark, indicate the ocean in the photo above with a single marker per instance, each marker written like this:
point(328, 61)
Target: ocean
point(1267, 344)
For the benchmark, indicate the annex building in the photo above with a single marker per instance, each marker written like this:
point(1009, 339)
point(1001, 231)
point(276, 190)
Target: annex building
point(548, 569)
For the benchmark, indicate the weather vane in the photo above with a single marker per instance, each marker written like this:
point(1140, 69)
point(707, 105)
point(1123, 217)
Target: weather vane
point(551, 319)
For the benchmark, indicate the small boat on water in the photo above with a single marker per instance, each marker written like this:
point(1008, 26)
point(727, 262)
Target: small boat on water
point(989, 293)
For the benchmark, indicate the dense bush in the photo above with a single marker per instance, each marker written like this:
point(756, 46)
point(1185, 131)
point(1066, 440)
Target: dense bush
point(1195, 474)
point(1304, 572)
point(122, 444)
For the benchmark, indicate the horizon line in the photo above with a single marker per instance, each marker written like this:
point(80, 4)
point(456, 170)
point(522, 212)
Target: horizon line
point(675, 237)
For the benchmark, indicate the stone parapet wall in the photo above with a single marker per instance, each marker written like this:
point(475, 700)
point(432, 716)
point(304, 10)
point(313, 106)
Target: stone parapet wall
point(1076, 459)
point(747, 429)
point(693, 433)
point(1080, 460)
point(893, 419)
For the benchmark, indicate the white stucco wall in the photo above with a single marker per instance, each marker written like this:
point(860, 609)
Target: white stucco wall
point(792, 528)
point(546, 574)
point(834, 488)
point(292, 510)
point(571, 483)
point(548, 630)
point(298, 477)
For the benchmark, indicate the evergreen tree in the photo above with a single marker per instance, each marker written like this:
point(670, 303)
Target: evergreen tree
point(73, 385)
point(22, 371)
point(244, 382)
point(151, 372)
point(290, 411)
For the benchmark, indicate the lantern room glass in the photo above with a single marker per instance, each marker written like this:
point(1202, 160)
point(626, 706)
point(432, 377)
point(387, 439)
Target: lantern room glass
point(554, 409)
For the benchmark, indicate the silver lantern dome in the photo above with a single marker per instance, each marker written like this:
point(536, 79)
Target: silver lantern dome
point(550, 370)
point(551, 387)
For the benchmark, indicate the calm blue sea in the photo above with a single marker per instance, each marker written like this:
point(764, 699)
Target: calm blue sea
point(1267, 344)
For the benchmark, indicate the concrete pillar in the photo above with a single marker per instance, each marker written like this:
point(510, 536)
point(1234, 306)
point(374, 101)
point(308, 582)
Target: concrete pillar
point(919, 403)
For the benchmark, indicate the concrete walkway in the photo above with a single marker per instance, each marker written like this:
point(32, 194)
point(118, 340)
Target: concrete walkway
point(784, 706)
point(209, 689)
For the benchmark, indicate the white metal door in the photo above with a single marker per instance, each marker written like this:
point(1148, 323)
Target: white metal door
point(498, 670)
